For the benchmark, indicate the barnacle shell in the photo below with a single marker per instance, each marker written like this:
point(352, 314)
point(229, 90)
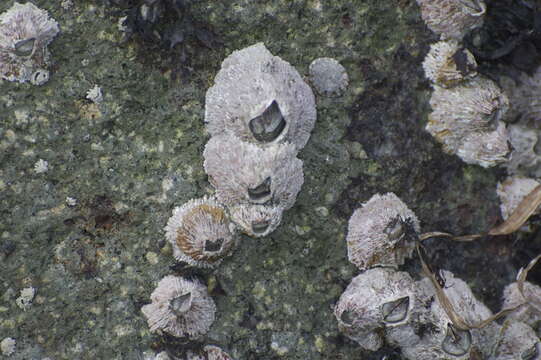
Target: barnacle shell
point(466, 119)
point(328, 76)
point(256, 220)
point(243, 172)
point(452, 18)
point(448, 63)
point(180, 307)
point(377, 232)
point(215, 353)
point(529, 313)
point(25, 32)
point(517, 341)
point(260, 98)
point(512, 191)
point(524, 158)
point(375, 299)
point(199, 233)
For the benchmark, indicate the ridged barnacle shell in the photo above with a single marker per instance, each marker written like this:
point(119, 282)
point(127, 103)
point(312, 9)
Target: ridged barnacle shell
point(199, 232)
point(243, 172)
point(512, 191)
point(180, 307)
point(256, 220)
point(466, 119)
point(452, 18)
point(260, 98)
point(448, 63)
point(517, 341)
point(374, 300)
point(25, 32)
point(328, 76)
point(524, 158)
point(529, 313)
point(377, 232)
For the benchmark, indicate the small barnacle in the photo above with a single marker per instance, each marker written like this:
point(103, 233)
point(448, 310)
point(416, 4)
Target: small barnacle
point(447, 63)
point(452, 19)
point(260, 98)
point(25, 300)
point(466, 119)
point(215, 353)
point(256, 220)
point(328, 76)
point(180, 307)
point(529, 313)
point(512, 191)
point(377, 232)
point(7, 346)
point(199, 233)
point(25, 32)
point(517, 341)
point(524, 157)
point(375, 299)
point(243, 172)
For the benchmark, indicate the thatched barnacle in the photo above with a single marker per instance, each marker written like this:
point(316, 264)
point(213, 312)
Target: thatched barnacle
point(512, 191)
point(260, 98)
point(378, 232)
point(375, 299)
point(466, 119)
point(256, 220)
point(448, 63)
point(25, 32)
point(452, 19)
point(199, 232)
point(243, 172)
point(517, 341)
point(180, 307)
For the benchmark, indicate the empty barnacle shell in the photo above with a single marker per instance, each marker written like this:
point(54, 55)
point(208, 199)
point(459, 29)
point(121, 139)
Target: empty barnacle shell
point(466, 119)
point(374, 300)
point(512, 191)
point(448, 63)
point(25, 32)
point(243, 172)
point(378, 232)
point(452, 19)
point(517, 341)
point(256, 220)
point(260, 98)
point(199, 233)
point(180, 307)
point(530, 313)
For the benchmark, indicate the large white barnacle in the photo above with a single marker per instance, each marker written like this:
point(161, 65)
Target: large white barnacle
point(530, 313)
point(374, 300)
point(180, 307)
point(512, 191)
point(25, 32)
point(452, 19)
point(243, 172)
point(466, 119)
point(517, 341)
point(199, 233)
point(256, 220)
point(378, 232)
point(260, 98)
point(448, 63)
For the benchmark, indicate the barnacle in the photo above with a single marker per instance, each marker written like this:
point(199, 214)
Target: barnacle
point(517, 341)
point(378, 232)
point(447, 63)
point(529, 313)
point(466, 119)
point(199, 233)
point(452, 18)
point(375, 299)
point(180, 307)
point(243, 172)
point(215, 353)
point(256, 220)
point(524, 157)
point(328, 76)
point(512, 191)
point(25, 32)
point(260, 98)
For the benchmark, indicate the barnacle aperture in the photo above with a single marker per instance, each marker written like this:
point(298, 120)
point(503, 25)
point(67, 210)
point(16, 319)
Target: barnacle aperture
point(456, 342)
point(256, 220)
point(269, 125)
point(396, 310)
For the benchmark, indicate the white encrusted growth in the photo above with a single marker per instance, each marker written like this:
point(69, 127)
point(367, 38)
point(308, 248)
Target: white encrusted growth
point(328, 76)
point(517, 341)
point(25, 32)
point(452, 19)
point(512, 191)
point(260, 98)
point(375, 299)
point(41, 166)
point(256, 220)
point(180, 307)
point(377, 232)
point(530, 313)
point(215, 353)
point(7, 346)
point(466, 119)
point(25, 300)
point(448, 63)
point(199, 233)
point(95, 94)
point(243, 172)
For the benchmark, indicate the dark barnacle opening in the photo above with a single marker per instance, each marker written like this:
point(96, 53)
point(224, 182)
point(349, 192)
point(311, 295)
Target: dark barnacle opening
point(260, 192)
point(269, 125)
point(181, 304)
point(396, 311)
point(259, 227)
point(395, 230)
point(457, 342)
point(25, 47)
point(347, 317)
point(213, 246)
point(530, 354)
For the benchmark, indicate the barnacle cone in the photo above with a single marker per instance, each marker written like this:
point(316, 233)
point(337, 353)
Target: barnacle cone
point(199, 233)
point(260, 98)
point(215, 353)
point(180, 307)
point(517, 341)
point(512, 191)
point(378, 232)
point(448, 63)
point(452, 19)
point(328, 76)
point(25, 32)
point(530, 313)
point(256, 220)
point(375, 299)
point(243, 172)
point(466, 119)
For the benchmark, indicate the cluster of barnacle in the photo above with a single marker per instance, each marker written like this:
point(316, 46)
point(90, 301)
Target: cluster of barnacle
point(25, 33)
point(386, 305)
